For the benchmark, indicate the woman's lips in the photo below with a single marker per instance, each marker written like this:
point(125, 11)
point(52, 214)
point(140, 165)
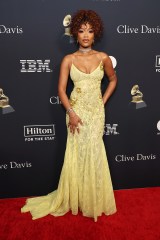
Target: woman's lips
point(85, 40)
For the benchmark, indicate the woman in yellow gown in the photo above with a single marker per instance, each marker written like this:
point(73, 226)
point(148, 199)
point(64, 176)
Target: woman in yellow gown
point(85, 181)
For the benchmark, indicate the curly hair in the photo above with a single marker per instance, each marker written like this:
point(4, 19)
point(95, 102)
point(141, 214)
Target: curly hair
point(83, 17)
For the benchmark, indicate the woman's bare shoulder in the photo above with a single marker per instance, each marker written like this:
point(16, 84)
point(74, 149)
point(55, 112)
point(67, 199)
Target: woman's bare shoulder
point(67, 60)
point(103, 55)
point(105, 58)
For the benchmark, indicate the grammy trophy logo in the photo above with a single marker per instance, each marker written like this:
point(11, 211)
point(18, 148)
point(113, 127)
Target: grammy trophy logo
point(66, 24)
point(137, 101)
point(158, 127)
point(4, 103)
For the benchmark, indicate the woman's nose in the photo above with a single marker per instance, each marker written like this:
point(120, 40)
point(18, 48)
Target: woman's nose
point(86, 34)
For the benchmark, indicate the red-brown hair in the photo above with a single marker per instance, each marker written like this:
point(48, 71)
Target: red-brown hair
point(83, 17)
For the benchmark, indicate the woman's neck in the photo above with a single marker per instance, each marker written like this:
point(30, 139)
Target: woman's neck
point(85, 50)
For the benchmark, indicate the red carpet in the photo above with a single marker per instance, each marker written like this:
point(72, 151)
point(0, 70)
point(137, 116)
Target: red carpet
point(138, 218)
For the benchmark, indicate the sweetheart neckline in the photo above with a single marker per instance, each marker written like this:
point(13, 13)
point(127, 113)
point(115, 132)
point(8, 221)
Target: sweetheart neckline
point(90, 72)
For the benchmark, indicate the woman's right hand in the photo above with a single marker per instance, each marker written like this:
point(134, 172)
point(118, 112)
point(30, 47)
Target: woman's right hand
point(74, 119)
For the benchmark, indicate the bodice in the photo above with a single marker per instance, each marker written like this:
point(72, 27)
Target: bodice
point(82, 78)
point(87, 86)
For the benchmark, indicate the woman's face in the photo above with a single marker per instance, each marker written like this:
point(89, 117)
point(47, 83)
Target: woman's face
point(85, 35)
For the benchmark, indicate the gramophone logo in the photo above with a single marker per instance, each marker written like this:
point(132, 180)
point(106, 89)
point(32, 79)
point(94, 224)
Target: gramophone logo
point(157, 63)
point(137, 101)
point(4, 103)
point(158, 127)
point(66, 23)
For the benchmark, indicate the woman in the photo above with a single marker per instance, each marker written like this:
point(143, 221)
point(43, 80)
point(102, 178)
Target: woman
point(85, 181)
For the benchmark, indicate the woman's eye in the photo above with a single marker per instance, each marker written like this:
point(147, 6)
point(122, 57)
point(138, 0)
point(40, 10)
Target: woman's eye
point(80, 31)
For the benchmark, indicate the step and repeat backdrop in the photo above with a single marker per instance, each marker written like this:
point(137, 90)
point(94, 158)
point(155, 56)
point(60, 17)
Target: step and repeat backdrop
point(34, 37)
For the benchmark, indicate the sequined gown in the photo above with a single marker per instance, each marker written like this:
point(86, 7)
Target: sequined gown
point(85, 181)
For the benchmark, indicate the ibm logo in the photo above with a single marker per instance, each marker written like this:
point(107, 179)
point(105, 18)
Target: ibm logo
point(158, 63)
point(110, 130)
point(35, 66)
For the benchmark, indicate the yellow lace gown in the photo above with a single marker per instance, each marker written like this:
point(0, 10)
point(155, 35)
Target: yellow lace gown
point(85, 180)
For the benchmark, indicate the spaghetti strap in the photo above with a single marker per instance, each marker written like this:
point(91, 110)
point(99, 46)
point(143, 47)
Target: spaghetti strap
point(72, 58)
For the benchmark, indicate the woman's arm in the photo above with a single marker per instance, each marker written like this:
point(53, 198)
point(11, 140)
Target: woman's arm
point(62, 84)
point(109, 70)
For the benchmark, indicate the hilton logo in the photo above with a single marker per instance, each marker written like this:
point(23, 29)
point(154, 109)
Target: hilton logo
point(39, 132)
point(108, 130)
point(35, 66)
point(157, 63)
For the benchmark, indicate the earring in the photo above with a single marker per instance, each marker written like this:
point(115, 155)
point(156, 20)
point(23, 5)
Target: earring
point(77, 41)
point(93, 41)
